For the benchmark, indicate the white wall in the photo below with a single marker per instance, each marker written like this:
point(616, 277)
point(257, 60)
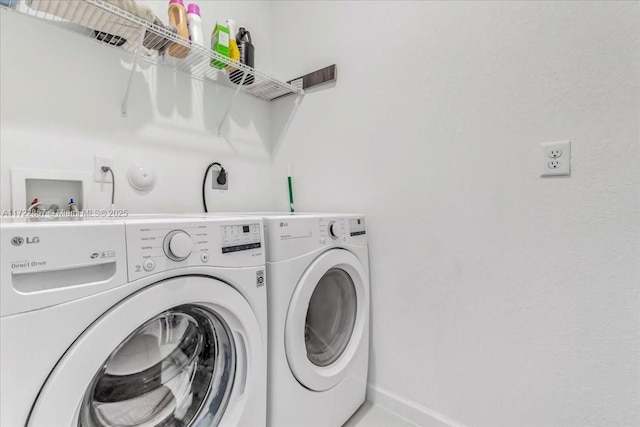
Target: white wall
point(499, 298)
point(60, 104)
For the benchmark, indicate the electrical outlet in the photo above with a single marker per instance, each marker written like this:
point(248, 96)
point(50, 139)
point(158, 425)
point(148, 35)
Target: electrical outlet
point(555, 153)
point(556, 158)
point(99, 175)
point(214, 180)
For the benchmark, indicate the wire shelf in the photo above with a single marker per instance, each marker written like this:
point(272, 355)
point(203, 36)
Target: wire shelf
point(134, 31)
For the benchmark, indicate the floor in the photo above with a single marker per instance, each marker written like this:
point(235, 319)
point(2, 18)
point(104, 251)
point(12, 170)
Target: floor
point(370, 415)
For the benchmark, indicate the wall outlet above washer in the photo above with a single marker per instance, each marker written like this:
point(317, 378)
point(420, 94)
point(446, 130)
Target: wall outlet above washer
point(214, 180)
point(99, 175)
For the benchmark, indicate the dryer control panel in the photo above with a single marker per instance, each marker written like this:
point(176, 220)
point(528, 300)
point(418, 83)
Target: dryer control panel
point(289, 236)
point(155, 246)
point(356, 227)
point(341, 230)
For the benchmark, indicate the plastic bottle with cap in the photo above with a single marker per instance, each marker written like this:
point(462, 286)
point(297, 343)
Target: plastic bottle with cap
point(234, 53)
point(72, 206)
point(220, 44)
point(246, 49)
point(178, 18)
point(194, 24)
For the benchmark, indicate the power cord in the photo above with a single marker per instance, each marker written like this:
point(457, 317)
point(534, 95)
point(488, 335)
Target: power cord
point(106, 169)
point(222, 180)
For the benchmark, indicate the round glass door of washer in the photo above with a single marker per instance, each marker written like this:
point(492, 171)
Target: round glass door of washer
point(172, 371)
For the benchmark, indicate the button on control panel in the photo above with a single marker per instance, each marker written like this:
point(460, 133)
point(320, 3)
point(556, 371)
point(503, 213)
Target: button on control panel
point(148, 265)
point(240, 237)
point(177, 245)
point(335, 230)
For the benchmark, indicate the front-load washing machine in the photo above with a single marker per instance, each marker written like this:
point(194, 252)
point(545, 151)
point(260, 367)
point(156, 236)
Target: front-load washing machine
point(318, 299)
point(145, 321)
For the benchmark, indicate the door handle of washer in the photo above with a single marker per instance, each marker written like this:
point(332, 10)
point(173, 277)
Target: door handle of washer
point(242, 343)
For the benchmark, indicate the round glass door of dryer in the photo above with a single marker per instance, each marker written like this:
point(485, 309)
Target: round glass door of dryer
point(180, 361)
point(331, 316)
point(326, 319)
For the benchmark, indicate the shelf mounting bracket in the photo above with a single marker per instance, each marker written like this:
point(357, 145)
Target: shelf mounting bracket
point(235, 95)
point(123, 107)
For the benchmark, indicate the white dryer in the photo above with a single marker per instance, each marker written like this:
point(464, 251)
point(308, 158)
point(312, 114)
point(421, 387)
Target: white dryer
point(318, 298)
point(145, 321)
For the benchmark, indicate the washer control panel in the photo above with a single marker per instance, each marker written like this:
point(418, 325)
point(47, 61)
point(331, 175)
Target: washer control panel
point(240, 237)
point(160, 245)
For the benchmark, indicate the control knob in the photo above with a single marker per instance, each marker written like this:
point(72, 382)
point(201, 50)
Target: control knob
point(334, 230)
point(177, 245)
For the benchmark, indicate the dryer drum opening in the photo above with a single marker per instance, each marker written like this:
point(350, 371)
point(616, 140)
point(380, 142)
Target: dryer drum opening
point(176, 369)
point(330, 318)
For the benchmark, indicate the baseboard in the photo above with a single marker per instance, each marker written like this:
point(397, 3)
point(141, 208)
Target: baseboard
point(408, 409)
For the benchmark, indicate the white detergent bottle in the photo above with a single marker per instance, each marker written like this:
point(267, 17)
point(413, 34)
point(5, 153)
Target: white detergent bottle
point(194, 22)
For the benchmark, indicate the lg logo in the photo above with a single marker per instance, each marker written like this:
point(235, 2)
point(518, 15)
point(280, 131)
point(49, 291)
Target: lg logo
point(17, 241)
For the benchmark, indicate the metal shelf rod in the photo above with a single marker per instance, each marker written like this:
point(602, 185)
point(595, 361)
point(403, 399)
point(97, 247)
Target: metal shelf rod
point(123, 108)
point(235, 95)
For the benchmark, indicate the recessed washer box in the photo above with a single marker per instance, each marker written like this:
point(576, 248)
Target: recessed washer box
point(49, 186)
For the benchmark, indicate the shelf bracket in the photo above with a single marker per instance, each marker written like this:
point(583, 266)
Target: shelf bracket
point(279, 138)
point(123, 107)
point(235, 95)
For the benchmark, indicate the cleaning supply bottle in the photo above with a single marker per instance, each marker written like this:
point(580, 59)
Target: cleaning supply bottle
point(243, 39)
point(220, 44)
point(245, 46)
point(234, 53)
point(178, 18)
point(194, 23)
point(72, 206)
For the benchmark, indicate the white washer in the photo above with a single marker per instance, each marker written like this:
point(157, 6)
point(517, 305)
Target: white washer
point(318, 298)
point(142, 321)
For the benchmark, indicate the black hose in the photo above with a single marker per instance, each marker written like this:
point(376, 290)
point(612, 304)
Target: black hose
point(204, 182)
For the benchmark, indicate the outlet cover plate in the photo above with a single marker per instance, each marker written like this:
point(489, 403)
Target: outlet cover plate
point(214, 181)
point(98, 175)
point(556, 158)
